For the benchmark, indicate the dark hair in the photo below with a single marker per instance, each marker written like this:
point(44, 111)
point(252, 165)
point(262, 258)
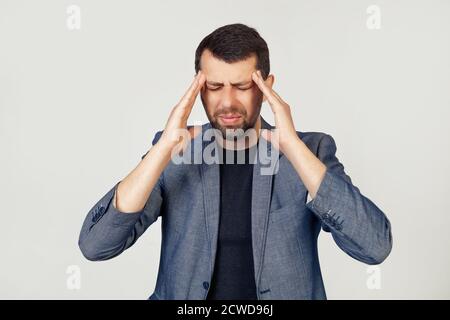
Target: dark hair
point(235, 42)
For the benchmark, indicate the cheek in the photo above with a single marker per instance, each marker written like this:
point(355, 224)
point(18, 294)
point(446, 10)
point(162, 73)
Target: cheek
point(210, 101)
point(250, 100)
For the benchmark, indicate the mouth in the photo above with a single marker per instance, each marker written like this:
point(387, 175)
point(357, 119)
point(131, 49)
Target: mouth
point(230, 119)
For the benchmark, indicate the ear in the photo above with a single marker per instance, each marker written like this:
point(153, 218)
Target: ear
point(269, 82)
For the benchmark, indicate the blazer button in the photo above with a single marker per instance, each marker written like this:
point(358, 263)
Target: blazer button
point(95, 215)
point(206, 285)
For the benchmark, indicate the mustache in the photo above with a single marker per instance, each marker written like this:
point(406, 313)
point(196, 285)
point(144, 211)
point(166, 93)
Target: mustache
point(230, 111)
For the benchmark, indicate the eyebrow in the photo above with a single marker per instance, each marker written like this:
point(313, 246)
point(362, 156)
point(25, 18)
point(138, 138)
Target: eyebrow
point(237, 84)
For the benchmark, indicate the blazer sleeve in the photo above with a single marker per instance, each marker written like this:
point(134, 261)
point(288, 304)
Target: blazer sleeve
point(107, 232)
point(357, 225)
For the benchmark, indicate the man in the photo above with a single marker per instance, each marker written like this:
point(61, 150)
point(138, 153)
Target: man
point(230, 230)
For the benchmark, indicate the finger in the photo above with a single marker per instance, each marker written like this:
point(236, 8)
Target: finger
point(192, 86)
point(278, 96)
point(188, 107)
point(193, 90)
point(271, 98)
point(184, 107)
point(271, 90)
point(201, 83)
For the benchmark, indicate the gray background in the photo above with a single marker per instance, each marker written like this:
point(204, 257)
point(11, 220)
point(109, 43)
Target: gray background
point(79, 107)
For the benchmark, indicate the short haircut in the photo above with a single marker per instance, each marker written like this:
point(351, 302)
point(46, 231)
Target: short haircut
point(233, 43)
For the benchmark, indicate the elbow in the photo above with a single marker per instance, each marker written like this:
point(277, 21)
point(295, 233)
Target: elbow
point(379, 258)
point(88, 253)
point(382, 247)
point(93, 252)
point(381, 252)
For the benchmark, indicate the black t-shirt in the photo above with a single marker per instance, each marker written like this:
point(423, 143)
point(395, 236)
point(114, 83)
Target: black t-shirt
point(234, 276)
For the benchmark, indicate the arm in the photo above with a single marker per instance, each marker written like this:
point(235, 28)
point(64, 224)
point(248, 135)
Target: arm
point(127, 210)
point(108, 231)
point(358, 226)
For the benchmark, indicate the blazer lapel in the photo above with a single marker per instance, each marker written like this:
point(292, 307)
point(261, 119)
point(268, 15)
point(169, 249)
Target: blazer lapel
point(261, 197)
point(210, 176)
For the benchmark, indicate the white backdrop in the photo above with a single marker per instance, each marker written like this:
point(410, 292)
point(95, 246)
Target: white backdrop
point(78, 108)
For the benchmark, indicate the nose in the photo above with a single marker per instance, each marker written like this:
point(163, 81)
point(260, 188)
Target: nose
point(227, 97)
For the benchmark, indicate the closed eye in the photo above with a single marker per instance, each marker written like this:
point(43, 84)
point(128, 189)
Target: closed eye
point(216, 88)
point(244, 88)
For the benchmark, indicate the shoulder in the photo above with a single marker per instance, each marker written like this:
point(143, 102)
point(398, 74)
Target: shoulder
point(318, 142)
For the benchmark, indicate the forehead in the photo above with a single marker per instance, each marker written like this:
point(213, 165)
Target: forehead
point(220, 71)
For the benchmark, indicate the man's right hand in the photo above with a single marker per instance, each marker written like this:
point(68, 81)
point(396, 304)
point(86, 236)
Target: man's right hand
point(133, 191)
point(175, 137)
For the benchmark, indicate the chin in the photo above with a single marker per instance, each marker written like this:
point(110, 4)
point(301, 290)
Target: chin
point(223, 130)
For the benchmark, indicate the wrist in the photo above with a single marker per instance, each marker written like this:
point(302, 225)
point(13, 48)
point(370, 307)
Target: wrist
point(163, 150)
point(292, 146)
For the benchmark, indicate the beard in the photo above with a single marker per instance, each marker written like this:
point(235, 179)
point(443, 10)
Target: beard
point(232, 132)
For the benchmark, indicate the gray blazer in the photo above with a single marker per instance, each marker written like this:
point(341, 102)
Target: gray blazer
point(285, 225)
